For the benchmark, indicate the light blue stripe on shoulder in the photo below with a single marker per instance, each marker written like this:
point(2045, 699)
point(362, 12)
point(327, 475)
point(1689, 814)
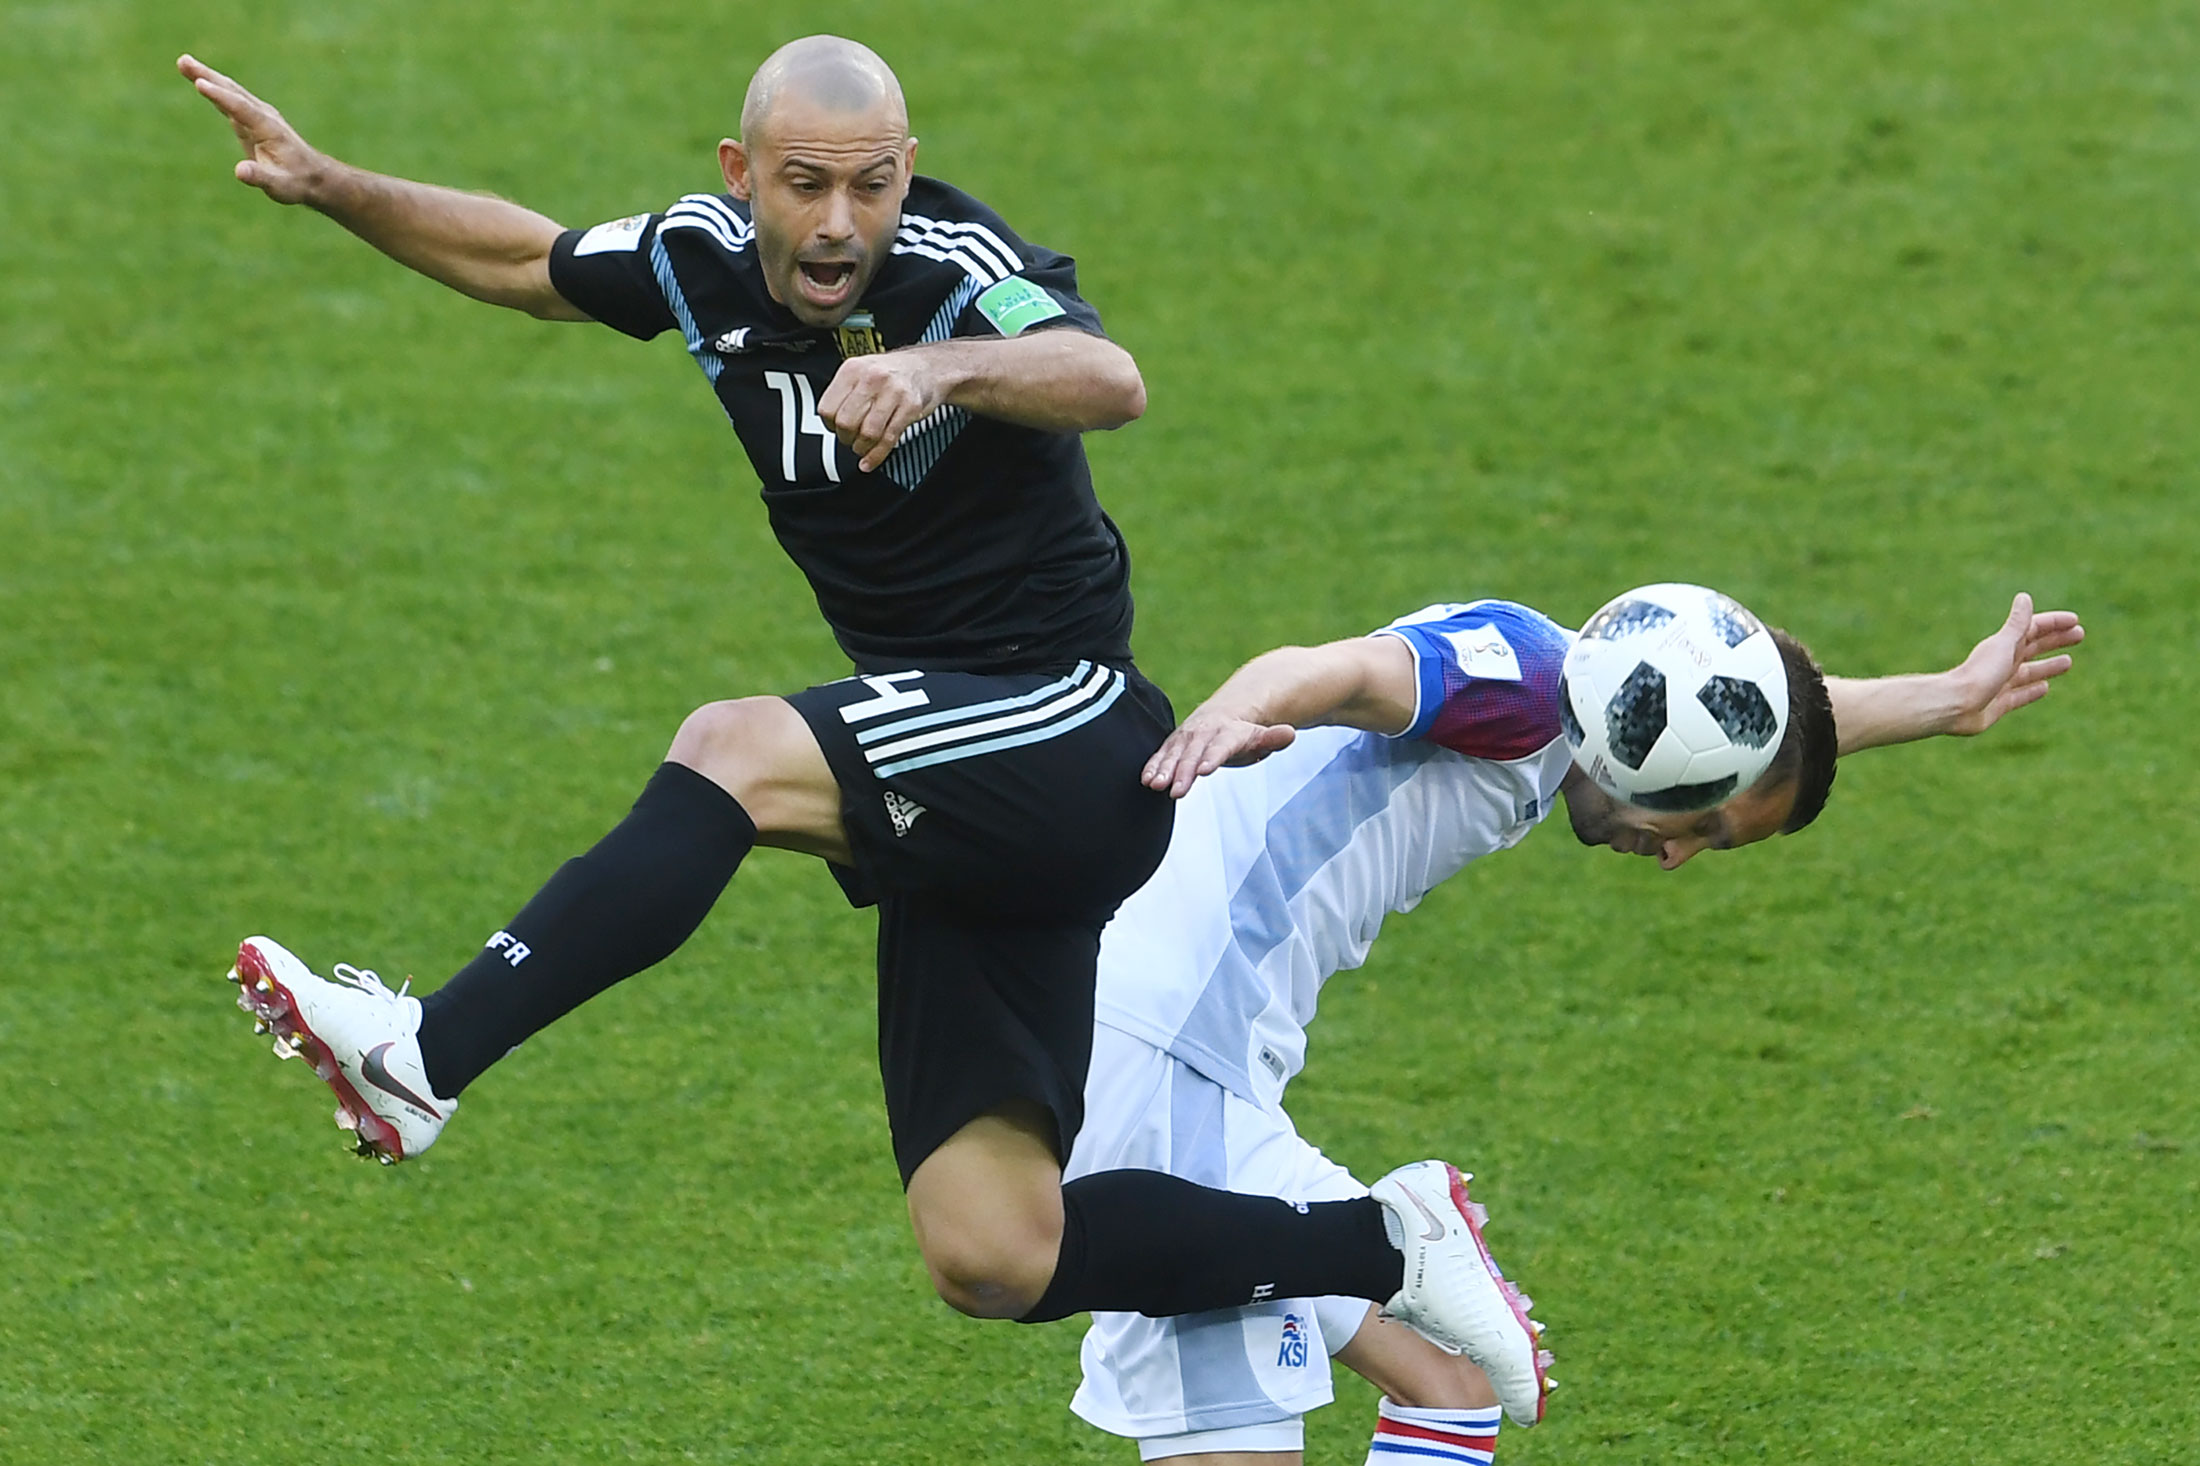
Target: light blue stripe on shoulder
point(669, 284)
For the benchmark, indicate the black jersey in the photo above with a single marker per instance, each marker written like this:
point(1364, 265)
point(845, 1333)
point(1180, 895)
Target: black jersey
point(978, 544)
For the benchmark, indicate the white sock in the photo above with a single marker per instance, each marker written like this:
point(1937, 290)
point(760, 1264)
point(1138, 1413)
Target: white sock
point(1405, 1436)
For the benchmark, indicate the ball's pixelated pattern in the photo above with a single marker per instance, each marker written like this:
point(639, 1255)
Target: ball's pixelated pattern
point(1740, 710)
point(1624, 618)
point(1634, 716)
point(1675, 698)
point(1681, 798)
point(1732, 618)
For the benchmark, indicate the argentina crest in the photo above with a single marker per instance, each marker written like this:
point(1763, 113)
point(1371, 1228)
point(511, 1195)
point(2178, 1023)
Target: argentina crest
point(858, 335)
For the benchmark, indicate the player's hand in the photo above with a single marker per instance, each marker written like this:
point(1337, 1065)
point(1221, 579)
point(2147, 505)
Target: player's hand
point(2013, 666)
point(1209, 740)
point(276, 160)
point(873, 400)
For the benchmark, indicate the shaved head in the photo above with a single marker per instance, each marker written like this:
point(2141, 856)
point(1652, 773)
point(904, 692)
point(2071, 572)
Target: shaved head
point(824, 161)
point(830, 73)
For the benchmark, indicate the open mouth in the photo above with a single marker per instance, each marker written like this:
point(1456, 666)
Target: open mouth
point(826, 280)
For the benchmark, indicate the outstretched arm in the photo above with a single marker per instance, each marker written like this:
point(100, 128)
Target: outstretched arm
point(1364, 682)
point(485, 247)
point(2004, 672)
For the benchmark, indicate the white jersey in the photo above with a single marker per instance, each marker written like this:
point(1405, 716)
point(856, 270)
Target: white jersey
point(1281, 873)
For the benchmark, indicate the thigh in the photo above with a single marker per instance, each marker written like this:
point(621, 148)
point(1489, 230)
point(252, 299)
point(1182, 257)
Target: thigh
point(997, 1173)
point(761, 751)
point(977, 1013)
point(1173, 1384)
point(1264, 1153)
point(1127, 1089)
point(1016, 793)
point(1253, 1372)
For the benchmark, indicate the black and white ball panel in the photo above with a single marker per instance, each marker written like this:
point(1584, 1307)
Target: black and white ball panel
point(1624, 618)
point(1673, 698)
point(1741, 709)
point(1634, 718)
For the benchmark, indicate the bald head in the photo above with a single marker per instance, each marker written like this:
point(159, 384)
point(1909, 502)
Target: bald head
point(828, 73)
point(824, 162)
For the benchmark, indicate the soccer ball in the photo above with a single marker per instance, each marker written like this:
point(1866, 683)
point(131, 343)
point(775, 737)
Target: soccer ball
point(1674, 698)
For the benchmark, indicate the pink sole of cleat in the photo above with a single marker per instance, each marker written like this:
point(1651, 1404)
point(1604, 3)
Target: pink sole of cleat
point(1476, 1214)
point(262, 994)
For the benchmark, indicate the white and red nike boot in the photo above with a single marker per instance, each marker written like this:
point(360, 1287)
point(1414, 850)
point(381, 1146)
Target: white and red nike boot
point(361, 1038)
point(1454, 1295)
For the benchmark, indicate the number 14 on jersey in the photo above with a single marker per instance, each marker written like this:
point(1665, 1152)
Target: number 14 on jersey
point(797, 419)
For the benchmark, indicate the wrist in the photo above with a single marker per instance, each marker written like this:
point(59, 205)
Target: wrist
point(1944, 702)
point(1935, 705)
point(1217, 712)
point(948, 368)
point(324, 185)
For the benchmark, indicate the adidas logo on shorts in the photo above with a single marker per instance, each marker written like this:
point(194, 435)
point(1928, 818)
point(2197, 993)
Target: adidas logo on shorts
point(903, 812)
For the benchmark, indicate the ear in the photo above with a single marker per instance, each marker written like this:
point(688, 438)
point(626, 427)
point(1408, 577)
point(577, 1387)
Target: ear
point(733, 162)
point(908, 166)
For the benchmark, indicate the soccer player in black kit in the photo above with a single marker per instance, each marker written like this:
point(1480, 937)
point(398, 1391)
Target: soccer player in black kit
point(909, 379)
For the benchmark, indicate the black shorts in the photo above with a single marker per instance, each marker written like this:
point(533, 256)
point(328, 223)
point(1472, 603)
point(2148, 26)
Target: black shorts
point(996, 821)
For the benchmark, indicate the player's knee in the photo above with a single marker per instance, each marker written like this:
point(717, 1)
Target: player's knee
point(989, 1255)
point(986, 1207)
point(992, 1274)
point(735, 743)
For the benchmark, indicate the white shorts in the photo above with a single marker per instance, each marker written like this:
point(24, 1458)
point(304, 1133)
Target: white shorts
point(1235, 1380)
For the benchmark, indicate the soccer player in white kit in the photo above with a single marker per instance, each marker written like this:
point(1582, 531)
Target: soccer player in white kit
point(1442, 745)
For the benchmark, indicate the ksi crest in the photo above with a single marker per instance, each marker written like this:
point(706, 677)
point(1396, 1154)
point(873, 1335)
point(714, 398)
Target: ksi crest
point(858, 335)
point(1292, 1353)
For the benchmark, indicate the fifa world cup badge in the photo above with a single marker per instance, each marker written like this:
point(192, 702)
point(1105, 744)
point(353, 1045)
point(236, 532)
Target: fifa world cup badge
point(859, 335)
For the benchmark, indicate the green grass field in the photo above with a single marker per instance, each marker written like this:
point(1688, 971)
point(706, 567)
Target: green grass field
point(335, 606)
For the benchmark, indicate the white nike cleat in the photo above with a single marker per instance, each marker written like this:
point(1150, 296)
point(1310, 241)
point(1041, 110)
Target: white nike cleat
point(362, 1039)
point(1454, 1296)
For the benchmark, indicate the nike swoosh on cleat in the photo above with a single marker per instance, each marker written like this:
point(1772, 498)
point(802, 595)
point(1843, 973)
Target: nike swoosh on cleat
point(1435, 1232)
point(370, 1064)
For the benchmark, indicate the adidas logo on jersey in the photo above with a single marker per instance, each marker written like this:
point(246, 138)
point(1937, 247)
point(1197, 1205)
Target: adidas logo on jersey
point(903, 812)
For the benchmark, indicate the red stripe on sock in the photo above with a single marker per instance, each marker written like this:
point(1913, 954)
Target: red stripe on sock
point(1389, 1426)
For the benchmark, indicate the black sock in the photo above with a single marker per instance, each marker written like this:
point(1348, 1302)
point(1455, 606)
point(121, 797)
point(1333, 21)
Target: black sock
point(625, 905)
point(1145, 1242)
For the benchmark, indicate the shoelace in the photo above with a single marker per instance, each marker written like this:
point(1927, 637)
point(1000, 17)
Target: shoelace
point(367, 981)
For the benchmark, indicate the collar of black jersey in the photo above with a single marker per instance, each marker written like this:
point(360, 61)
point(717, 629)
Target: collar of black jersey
point(744, 340)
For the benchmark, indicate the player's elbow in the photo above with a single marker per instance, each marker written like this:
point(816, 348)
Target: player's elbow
point(551, 307)
point(1122, 399)
point(532, 292)
point(991, 1277)
point(1134, 397)
point(1110, 390)
point(524, 284)
point(514, 291)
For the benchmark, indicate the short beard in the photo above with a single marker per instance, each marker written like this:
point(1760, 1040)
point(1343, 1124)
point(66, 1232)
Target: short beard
point(1589, 811)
